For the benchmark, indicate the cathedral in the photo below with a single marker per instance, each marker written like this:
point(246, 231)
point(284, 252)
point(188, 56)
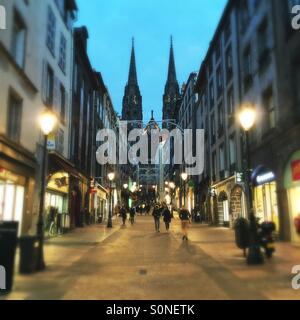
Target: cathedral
point(132, 100)
point(132, 110)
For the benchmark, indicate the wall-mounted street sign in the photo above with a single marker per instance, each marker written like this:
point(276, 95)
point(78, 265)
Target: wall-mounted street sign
point(239, 177)
point(51, 142)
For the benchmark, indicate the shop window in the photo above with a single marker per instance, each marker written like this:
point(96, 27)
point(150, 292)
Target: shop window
point(266, 203)
point(11, 202)
point(14, 119)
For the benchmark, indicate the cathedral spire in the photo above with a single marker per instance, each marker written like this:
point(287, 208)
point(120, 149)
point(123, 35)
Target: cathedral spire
point(172, 70)
point(132, 101)
point(132, 77)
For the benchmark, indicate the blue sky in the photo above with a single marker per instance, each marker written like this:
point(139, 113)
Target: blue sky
point(113, 23)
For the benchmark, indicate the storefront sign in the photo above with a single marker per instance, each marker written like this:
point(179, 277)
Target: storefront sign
point(296, 170)
point(265, 178)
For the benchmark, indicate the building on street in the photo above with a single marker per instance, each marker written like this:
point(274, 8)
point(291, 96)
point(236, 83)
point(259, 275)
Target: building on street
point(252, 59)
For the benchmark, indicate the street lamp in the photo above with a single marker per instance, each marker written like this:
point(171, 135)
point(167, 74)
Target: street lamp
point(247, 117)
point(47, 121)
point(184, 177)
point(111, 177)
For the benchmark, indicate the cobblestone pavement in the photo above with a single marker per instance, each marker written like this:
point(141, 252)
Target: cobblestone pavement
point(134, 262)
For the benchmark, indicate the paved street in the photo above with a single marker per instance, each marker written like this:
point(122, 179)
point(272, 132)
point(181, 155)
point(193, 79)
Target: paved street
point(136, 263)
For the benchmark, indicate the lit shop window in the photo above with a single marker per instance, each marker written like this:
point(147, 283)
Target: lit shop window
point(11, 202)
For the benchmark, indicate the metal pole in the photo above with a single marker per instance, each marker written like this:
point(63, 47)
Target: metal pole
point(40, 225)
point(254, 256)
point(184, 193)
point(109, 222)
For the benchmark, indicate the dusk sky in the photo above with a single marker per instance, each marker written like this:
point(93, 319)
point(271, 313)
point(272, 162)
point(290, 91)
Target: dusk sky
point(113, 23)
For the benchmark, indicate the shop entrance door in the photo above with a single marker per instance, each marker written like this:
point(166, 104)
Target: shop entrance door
point(294, 201)
point(226, 212)
point(11, 202)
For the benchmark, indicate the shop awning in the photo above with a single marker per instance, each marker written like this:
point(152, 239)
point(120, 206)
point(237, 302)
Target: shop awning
point(58, 163)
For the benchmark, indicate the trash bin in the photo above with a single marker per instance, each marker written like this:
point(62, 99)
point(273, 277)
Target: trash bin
point(8, 245)
point(241, 228)
point(28, 254)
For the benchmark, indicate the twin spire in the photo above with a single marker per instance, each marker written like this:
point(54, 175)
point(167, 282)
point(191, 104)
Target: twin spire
point(132, 77)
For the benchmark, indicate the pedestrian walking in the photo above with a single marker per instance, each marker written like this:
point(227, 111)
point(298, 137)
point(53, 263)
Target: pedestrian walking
point(185, 217)
point(156, 215)
point(123, 214)
point(167, 217)
point(132, 215)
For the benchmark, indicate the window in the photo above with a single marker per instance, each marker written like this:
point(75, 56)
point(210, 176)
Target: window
point(213, 128)
point(247, 62)
point(214, 165)
point(51, 26)
point(62, 103)
point(269, 109)
point(230, 102)
point(227, 31)
point(263, 50)
point(232, 153)
point(222, 158)
point(244, 14)
point(60, 141)
point(229, 62)
point(19, 40)
point(14, 118)
point(220, 119)
point(49, 86)
point(212, 94)
point(219, 80)
point(62, 53)
point(218, 51)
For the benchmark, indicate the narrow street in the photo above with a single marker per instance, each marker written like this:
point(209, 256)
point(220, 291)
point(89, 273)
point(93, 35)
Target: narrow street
point(137, 263)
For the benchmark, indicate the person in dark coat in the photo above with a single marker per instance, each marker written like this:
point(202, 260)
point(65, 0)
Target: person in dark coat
point(123, 214)
point(156, 215)
point(167, 217)
point(185, 217)
point(132, 213)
